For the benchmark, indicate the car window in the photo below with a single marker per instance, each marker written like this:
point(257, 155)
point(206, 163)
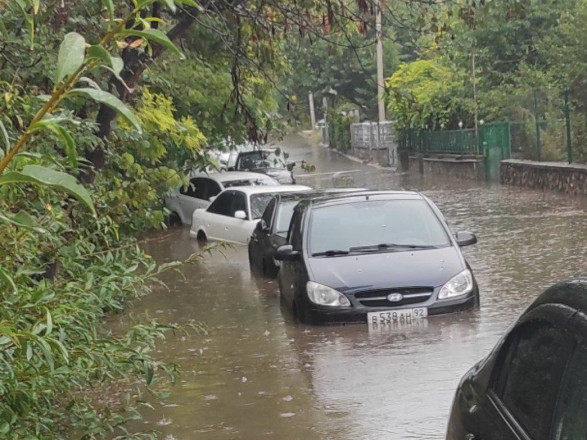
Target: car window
point(258, 204)
point(570, 421)
point(239, 203)
point(529, 373)
point(223, 204)
point(213, 189)
point(294, 236)
point(259, 159)
point(371, 223)
point(201, 187)
point(190, 189)
point(284, 215)
point(268, 213)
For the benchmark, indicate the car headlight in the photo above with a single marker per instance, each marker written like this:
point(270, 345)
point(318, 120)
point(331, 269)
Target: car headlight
point(457, 286)
point(326, 296)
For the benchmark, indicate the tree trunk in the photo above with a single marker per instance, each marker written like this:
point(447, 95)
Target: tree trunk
point(135, 63)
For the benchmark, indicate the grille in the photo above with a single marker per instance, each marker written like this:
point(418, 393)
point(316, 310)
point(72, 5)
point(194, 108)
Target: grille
point(378, 298)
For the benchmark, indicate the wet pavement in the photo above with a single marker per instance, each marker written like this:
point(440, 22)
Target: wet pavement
point(257, 374)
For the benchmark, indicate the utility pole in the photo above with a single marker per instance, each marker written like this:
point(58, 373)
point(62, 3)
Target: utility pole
point(312, 113)
point(568, 126)
point(475, 110)
point(379, 44)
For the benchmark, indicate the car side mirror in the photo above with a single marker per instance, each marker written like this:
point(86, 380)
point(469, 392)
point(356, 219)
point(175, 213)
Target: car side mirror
point(240, 214)
point(464, 238)
point(286, 253)
point(211, 199)
point(290, 166)
point(262, 226)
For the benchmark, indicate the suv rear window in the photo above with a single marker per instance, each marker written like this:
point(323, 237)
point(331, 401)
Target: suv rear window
point(570, 421)
point(527, 379)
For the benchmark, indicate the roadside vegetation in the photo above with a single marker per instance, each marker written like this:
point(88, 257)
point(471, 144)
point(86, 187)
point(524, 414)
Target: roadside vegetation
point(104, 105)
point(447, 62)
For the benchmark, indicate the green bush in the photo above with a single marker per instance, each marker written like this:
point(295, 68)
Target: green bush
point(339, 126)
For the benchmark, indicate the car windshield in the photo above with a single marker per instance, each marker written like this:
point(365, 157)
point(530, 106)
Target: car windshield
point(258, 204)
point(259, 159)
point(375, 226)
point(284, 216)
point(261, 181)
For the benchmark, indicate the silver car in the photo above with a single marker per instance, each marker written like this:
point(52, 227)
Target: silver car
point(203, 189)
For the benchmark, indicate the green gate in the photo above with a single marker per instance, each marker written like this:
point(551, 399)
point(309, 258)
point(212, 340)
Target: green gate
point(495, 140)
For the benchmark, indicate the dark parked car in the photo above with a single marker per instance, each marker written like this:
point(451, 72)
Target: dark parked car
point(384, 257)
point(533, 385)
point(271, 231)
point(266, 161)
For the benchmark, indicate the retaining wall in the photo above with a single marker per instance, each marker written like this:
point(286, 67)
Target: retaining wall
point(377, 155)
point(555, 176)
point(461, 167)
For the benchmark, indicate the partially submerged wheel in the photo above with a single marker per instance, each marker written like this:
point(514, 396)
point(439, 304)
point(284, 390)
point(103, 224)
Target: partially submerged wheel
point(201, 237)
point(269, 268)
point(174, 219)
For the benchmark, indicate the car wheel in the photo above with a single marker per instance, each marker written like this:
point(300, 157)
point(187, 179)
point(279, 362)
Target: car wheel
point(269, 269)
point(300, 313)
point(201, 237)
point(173, 219)
point(252, 265)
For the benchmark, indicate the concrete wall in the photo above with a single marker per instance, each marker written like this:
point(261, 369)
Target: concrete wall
point(469, 167)
point(374, 142)
point(567, 178)
point(379, 156)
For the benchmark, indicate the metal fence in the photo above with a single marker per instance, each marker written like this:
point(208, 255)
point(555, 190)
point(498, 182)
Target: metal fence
point(546, 140)
point(447, 141)
point(540, 128)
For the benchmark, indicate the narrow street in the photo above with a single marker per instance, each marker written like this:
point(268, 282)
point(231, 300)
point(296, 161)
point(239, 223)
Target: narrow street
point(257, 374)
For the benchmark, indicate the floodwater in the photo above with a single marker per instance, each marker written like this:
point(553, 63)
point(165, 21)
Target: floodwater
point(257, 374)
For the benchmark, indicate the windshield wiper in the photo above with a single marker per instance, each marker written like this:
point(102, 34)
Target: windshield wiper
point(330, 253)
point(387, 246)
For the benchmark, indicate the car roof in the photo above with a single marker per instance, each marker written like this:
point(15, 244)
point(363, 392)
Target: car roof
point(571, 293)
point(228, 176)
point(318, 193)
point(250, 190)
point(335, 198)
point(255, 150)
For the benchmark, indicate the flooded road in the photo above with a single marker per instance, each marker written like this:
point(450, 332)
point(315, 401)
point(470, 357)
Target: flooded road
point(257, 374)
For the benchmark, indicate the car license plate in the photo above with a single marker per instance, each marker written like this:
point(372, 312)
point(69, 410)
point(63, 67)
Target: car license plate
point(396, 317)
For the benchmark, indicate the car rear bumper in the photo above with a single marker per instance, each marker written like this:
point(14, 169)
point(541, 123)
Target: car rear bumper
point(327, 315)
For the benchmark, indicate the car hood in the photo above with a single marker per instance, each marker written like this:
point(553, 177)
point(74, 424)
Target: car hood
point(422, 268)
point(273, 172)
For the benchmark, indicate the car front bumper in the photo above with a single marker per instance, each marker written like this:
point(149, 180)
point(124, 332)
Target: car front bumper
point(329, 315)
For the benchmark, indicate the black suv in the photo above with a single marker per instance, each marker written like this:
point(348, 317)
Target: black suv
point(533, 385)
point(266, 161)
point(382, 257)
